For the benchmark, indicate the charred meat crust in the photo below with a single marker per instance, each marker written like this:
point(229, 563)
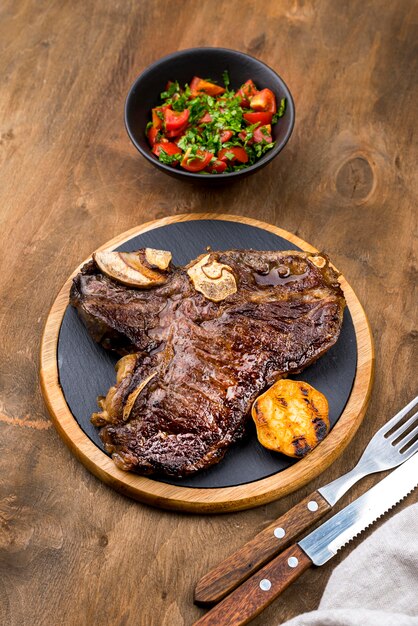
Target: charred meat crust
point(207, 361)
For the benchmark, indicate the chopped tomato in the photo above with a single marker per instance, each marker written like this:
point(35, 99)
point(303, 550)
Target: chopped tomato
point(226, 135)
point(175, 133)
point(197, 163)
point(239, 154)
point(253, 118)
point(246, 92)
point(262, 133)
point(168, 147)
point(157, 121)
point(198, 85)
point(175, 120)
point(243, 136)
point(206, 119)
point(152, 135)
point(216, 166)
point(264, 100)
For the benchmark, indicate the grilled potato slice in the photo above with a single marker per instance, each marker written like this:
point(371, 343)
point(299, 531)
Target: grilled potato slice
point(291, 417)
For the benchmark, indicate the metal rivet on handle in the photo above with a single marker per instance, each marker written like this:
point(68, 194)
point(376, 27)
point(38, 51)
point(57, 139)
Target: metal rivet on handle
point(265, 584)
point(313, 506)
point(279, 532)
point(292, 561)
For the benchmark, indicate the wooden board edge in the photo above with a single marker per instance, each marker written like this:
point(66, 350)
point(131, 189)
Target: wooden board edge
point(199, 500)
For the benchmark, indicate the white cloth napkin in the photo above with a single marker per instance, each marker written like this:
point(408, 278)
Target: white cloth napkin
point(377, 584)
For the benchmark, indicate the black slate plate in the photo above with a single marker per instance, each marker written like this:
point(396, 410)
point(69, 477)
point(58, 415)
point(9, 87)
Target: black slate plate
point(86, 370)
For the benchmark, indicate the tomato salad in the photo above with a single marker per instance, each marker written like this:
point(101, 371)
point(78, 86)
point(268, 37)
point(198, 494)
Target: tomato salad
point(211, 129)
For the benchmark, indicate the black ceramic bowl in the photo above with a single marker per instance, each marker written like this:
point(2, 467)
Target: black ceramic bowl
point(205, 62)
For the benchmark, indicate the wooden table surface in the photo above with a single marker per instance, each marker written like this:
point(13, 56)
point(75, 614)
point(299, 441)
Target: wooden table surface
point(72, 551)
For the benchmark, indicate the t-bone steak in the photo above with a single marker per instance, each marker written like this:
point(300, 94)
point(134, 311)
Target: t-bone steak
point(200, 343)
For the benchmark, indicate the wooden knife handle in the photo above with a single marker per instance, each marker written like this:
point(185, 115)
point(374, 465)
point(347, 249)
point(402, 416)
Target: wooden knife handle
point(220, 581)
point(243, 604)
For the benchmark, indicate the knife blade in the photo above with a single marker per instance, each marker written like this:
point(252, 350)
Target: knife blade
point(248, 600)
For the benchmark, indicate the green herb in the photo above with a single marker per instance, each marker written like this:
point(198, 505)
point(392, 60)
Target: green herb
point(168, 159)
point(280, 112)
point(197, 107)
point(237, 168)
point(173, 88)
point(282, 107)
point(229, 155)
point(182, 144)
point(261, 148)
point(179, 103)
point(176, 97)
point(193, 151)
point(225, 77)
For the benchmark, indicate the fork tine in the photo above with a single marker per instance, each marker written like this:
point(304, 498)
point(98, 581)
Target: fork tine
point(412, 449)
point(410, 436)
point(391, 423)
point(397, 433)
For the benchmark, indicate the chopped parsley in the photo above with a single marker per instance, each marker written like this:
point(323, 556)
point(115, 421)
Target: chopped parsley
point(280, 111)
point(169, 159)
point(225, 77)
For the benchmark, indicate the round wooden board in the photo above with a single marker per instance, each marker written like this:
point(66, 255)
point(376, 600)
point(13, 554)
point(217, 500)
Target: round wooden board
point(213, 500)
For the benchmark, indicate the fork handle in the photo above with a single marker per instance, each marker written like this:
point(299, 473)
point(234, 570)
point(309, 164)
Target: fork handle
point(243, 604)
point(231, 572)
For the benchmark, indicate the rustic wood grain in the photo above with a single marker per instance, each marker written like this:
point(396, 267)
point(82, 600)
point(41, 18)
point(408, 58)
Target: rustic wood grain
point(72, 550)
point(206, 500)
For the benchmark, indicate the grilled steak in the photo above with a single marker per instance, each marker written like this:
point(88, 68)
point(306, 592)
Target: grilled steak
point(201, 347)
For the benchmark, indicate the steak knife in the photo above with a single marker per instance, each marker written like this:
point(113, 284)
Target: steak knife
point(248, 600)
point(384, 451)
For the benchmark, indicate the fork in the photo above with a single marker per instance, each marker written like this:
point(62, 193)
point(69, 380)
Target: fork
point(393, 444)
